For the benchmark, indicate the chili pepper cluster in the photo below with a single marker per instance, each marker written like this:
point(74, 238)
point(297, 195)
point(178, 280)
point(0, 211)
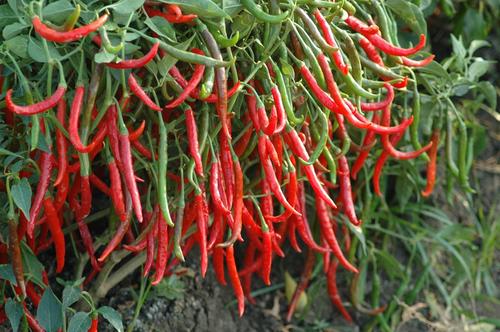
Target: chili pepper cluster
point(243, 143)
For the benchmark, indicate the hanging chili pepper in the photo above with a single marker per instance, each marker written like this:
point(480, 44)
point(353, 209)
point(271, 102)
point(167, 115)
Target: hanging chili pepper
point(194, 148)
point(417, 63)
point(202, 223)
point(134, 135)
point(304, 281)
point(346, 192)
point(331, 283)
point(56, 232)
point(361, 27)
point(41, 189)
point(15, 253)
point(141, 94)
point(61, 143)
point(252, 7)
point(431, 167)
point(128, 168)
point(116, 190)
point(32, 322)
point(191, 85)
point(235, 279)
point(379, 165)
point(238, 205)
point(329, 235)
point(162, 250)
point(136, 63)
point(40, 107)
point(67, 36)
point(162, 171)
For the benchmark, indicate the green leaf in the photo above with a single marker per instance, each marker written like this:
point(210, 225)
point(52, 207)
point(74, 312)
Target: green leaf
point(31, 265)
point(112, 316)
point(49, 311)
point(409, 13)
point(37, 52)
point(161, 27)
point(477, 44)
point(103, 57)
point(478, 68)
point(7, 16)
point(232, 7)
point(18, 45)
point(21, 194)
point(127, 6)
point(6, 273)
point(71, 294)
point(489, 92)
point(14, 311)
point(57, 11)
point(80, 322)
point(13, 30)
point(203, 8)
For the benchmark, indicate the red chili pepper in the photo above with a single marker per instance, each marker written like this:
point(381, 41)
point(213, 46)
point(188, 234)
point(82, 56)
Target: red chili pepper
point(278, 103)
point(346, 191)
point(202, 223)
point(331, 283)
point(302, 223)
point(136, 134)
point(417, 63)
point(367, 142)
point(141, 94)
point(193, 144)
point(329, 38)
point(162, 250)
point(431, 167)
point(191, 85)
point(361, 27)
point(238, 205)
point(389, 147)
point(267, 257)
point(115, 240)
point(74, 115)
point(299, 149)
point(379, 165)
point(94, 325)
point(67, 36)
point(116, 190)
point(270, 176)
point(329, 235)
point(114, 142)
point(218, 263)
point(61, 143)
point(143, 150)
point(214, 189)
point(243, 142)
point(33, 295)
point(128, 169)
point(99, 184)
point(32, 322)
point(15, 253)
point(56, 232)
point(170, 17)
point(235, 279)
point(39, 107)
point(41, 189)
point(136, 63)
point(371, 51)
point(376, 106)
point(227, 169)
point(150, 254)
point(85, 197)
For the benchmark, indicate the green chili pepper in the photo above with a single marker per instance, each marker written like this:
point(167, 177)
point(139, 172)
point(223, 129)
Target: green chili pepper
point(285, 95)
point(162, 170)
point(378, 69)
point(323, 139)
point(273, 29)
point(179, 54)
point(208, 83)
point(106, 43)
point(452, 167)
point(179, 220)
point(71, 20)
point(261, 15)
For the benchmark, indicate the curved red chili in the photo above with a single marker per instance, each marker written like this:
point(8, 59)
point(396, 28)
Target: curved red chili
point(202, 217)
point(361, 27)
point(346, 191)
point(56, 231)
point(331, 283)
point(162, 249)
point(116, 191)
point(431, 167)
point(417, 63)
point(39, 107)
point(141, 94)
point(193, 144)
point(136, 63)
point(136, 134)
point(67, 36)
point(191, 85)
point(41, 190)
point(235, 279)
point(329, 235)
point(61, 143)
